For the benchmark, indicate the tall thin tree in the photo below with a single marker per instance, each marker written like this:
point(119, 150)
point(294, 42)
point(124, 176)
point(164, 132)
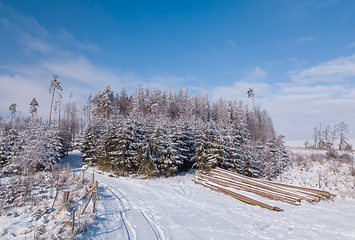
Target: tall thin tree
point(33, 107)
point(55, 84)
point(13, 111)
point(251, 95)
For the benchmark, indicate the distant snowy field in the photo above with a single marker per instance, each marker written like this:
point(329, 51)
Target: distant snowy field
point(177, 208)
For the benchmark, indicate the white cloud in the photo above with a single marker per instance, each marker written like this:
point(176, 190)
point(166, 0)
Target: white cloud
point(332, 71)
point(20, 90)
point(255, 74)
point(239, 91)
point(304, 39)
point(312, 97)
point(297, 109)
point(77, 75)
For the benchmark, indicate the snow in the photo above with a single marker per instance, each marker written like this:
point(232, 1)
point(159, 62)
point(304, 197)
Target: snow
point(177, 208)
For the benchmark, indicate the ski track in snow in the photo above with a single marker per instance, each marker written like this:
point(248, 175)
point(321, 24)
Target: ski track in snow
point(146, 228)
point(131, 234)
point(117, 218)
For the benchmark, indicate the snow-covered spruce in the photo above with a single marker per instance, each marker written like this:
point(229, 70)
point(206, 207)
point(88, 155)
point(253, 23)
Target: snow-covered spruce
point(164, 133)
point(35, 147)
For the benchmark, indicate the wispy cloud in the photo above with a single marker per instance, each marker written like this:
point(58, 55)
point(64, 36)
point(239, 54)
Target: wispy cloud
point(332, 71)
point(319, 94)
point(255, 74)
point(352, 44)
point(21, 82)
point(304, 39)
point(67, 37)
point(232, 43)
point(162, 80)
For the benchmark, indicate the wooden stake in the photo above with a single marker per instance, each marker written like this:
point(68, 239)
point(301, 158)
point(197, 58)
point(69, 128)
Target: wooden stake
point(73, 224)
point(84, 176)
point(56, 195)
point(97, 191)
point(93, 204)
point(65, 197)
point(87, 203)
point(92, 183)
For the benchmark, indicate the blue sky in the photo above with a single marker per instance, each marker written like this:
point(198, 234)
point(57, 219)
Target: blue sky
point(299, 56)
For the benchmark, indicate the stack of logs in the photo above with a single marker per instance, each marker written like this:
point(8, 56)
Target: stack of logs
point(224, 181)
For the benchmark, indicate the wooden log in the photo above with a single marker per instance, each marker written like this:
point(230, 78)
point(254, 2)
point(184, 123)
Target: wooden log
point(318, 194)
point(264, 185)
point(236, 195)
point(255, 182)
point(310, 190)
point(249, 188)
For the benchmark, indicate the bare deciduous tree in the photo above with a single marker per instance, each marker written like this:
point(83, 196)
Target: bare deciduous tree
point(343, 130)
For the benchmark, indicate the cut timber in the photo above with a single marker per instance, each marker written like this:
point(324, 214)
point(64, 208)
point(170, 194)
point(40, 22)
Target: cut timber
point(235, 195)
point(225, 181)
point(259, 191)
point(310, 190)
point(260, 184)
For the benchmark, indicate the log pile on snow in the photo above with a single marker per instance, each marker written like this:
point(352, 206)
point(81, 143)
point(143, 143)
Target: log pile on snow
point(227, 182)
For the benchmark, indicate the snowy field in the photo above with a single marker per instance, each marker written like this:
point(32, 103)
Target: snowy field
point(177, 208)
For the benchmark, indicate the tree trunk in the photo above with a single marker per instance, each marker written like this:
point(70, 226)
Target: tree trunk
point(50, 112)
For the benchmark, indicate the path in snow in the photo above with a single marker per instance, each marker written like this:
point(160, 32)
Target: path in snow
point(116, 218)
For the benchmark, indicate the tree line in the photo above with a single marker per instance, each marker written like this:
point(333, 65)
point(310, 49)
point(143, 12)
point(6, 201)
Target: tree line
point(158, 132)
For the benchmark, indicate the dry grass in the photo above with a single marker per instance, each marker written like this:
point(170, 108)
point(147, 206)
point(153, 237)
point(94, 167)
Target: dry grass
point(36, 193)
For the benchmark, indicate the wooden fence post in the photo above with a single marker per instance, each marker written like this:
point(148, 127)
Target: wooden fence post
point(92, 183)
point(84, 175)
point(94, 204)
point(65, 197)
point(97, 191)
point(56, 195)
point(73, 224)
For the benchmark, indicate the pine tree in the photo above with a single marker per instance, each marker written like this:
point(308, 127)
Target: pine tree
point(55, 84)
point(33, 107)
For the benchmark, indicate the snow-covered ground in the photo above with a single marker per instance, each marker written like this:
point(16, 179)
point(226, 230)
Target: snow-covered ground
point(177, 208)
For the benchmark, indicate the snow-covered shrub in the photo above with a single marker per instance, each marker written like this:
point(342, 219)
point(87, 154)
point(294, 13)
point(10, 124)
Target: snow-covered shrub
point(37, 200)
point(36, 147)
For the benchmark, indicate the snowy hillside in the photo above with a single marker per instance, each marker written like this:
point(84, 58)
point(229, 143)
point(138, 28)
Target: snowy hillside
point(177, 208)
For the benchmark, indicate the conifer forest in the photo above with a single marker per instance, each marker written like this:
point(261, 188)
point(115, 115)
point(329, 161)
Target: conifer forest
point(151, 133)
